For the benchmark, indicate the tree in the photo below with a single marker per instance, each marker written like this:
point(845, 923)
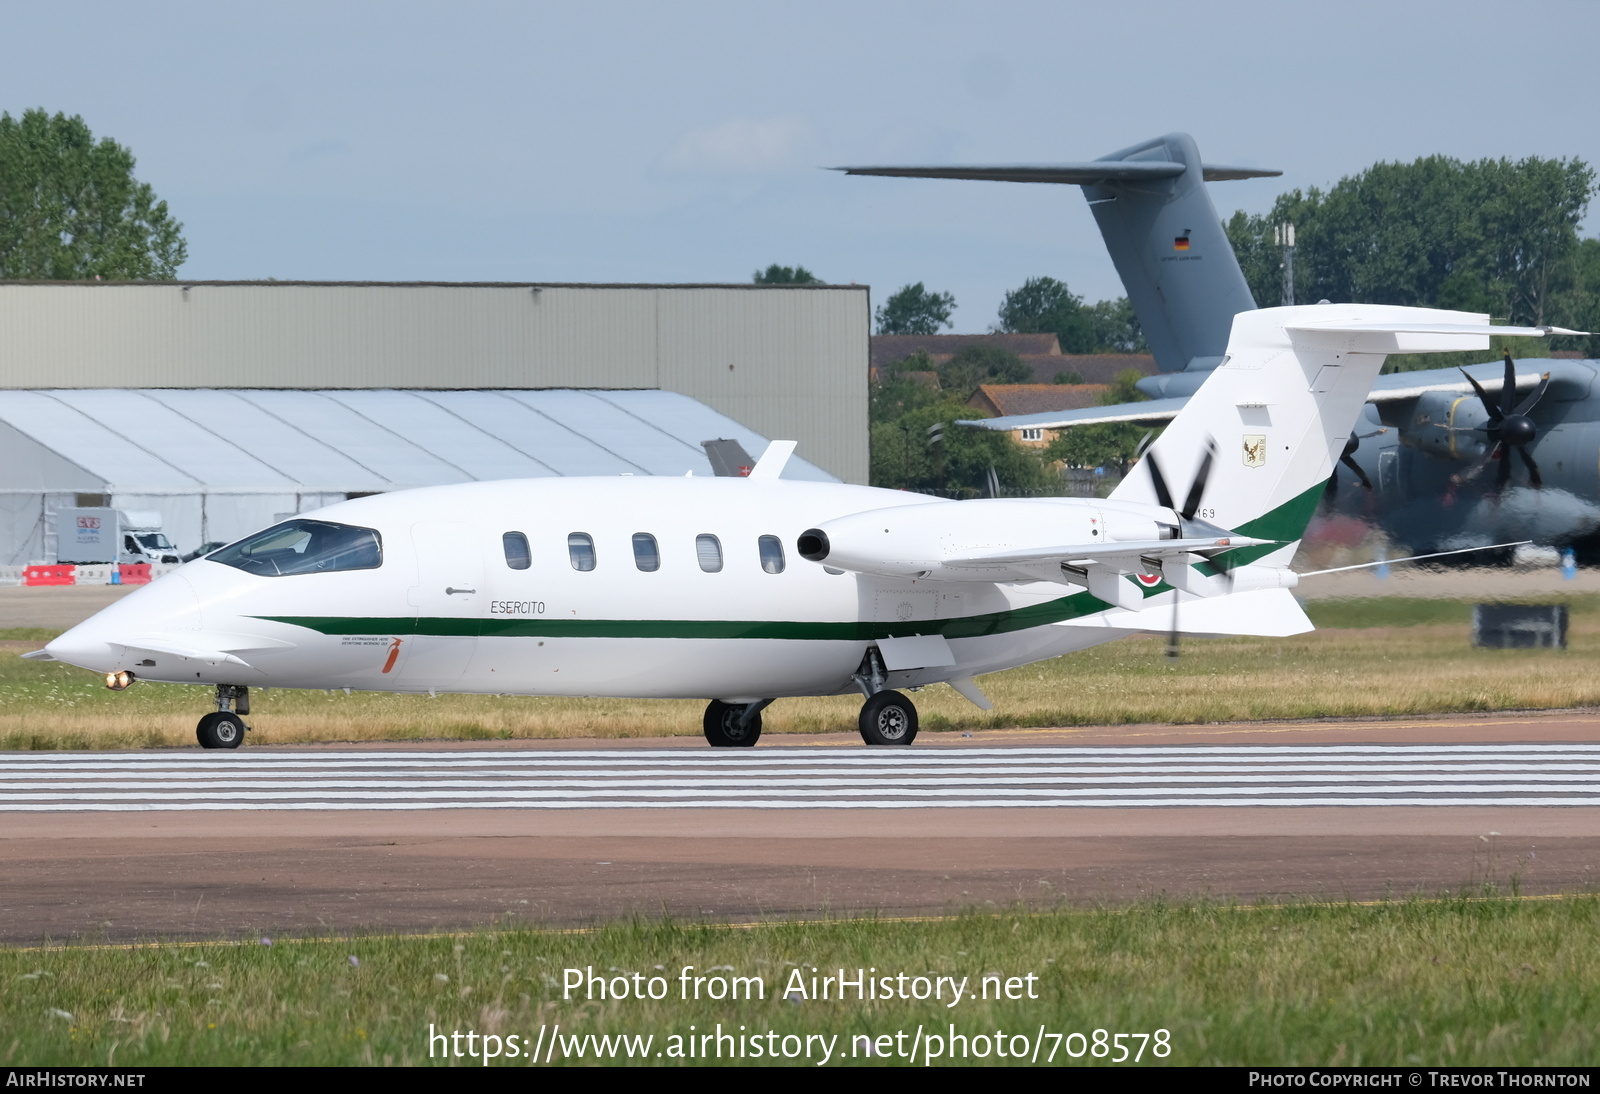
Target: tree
point(915, 310)
point(1046, 306)
point(70, 208)
point(1491, 235)
point(1113, 443)
point(899, 390)
point(1116, 327)
point(982, 364)
point(786, 275)
point(906, 457)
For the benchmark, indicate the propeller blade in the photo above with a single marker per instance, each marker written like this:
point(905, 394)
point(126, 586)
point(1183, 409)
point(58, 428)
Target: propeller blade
point(1503, 475)
point(1163, 495)
point(1172, 635)
point(1476, 469)
point(1483, 397)
point(1532, 400)
point(1350, 462)
point(1197, 490)
point(1508, 390)
point(1533, 469)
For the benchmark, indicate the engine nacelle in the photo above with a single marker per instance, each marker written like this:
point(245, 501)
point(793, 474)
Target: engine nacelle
point(913, 541)
point(1447, 424)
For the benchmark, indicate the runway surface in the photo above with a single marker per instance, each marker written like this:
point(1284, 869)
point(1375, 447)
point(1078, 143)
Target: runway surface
point(801, 778)
point(320, 839)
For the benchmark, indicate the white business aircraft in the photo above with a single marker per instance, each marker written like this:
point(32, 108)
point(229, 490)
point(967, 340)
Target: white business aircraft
point(743, 590)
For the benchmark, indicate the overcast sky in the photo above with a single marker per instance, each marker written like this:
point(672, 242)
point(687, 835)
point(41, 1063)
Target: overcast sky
point(616, 142)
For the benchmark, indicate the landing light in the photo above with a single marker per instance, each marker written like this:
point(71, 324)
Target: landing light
point(119, 681)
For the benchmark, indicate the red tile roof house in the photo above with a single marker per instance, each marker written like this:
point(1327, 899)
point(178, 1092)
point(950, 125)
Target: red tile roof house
point(1003, 400)
point(1040, 352)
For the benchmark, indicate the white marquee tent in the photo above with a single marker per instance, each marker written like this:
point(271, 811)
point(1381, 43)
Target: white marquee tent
point(218, 464)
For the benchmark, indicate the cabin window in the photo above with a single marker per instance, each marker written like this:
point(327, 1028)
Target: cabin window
point(771, 554)
point(646, 555)
point(708, 549)
point(580, 549)
point(518, 556)
point(304, 547)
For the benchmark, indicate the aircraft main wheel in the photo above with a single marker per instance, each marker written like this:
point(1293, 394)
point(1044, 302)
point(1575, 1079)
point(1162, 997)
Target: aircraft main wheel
point(723, 728)
point(888, 718)
point(224, 729)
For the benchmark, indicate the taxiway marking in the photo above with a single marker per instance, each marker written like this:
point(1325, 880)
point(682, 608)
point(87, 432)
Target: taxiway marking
point(810, 778)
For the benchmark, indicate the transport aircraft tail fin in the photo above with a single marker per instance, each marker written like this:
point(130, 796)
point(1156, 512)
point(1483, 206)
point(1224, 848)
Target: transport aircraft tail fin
point(1163, 233)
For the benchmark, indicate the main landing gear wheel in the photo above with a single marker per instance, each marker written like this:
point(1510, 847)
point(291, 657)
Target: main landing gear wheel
point(888, 718)
point(222, 729)
point(727, 727)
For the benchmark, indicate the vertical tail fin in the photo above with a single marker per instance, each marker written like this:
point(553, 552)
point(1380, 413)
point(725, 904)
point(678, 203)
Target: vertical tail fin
point(1282, 404)
point(1162, 231)
point(1169, 248)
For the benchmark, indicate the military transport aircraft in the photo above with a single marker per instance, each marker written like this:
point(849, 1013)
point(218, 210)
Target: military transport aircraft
point(1423, 440)
point(743, 589)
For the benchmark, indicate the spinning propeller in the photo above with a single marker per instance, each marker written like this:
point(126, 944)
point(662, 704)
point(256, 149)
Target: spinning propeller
point(1508, 428)
point(1189, 526)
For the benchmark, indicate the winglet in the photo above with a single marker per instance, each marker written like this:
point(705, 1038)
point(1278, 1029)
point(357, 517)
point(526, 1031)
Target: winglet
point(773, 460)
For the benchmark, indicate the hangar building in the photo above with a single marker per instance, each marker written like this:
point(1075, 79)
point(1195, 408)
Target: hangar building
point(225, 405)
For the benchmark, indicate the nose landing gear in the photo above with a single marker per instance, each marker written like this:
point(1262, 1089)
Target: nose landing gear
point(225, 727)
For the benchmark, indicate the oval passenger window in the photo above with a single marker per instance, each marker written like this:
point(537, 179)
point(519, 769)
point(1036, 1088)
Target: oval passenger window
point(580, 549)
point(771, 554)
point(645, 553)
point(708, 549)
point(518, 556)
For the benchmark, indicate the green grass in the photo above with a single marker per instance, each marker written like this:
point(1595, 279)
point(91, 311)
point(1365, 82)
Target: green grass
point(40, 635)
point(1487, 981)
point(1401, 611)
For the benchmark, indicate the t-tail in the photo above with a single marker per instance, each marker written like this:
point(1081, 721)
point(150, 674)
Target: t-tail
point(1164, 236)
point(1278, 411)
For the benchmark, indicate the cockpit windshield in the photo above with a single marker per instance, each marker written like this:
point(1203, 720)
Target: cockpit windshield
point(304, 547)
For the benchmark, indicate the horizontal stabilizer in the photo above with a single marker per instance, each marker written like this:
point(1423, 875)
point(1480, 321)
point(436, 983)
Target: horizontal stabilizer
point(1071, 173)
point(1270, 613)
point(1434, 328)
point(38, 655)
point(1079, 174)
point(1216, 173)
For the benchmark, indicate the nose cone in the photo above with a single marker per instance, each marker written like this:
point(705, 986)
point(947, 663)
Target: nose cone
point(101, 641)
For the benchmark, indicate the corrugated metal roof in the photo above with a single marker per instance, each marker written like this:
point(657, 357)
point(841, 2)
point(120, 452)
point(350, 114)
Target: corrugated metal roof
point(211, 441)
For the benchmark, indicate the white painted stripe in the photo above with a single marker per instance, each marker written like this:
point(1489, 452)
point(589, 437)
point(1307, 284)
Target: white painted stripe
point(810, 778)
point(779, 784)
point(318, 806)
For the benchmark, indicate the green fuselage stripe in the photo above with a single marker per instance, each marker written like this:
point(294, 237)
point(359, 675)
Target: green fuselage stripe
point(1284, 524)
point(1074, 606)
